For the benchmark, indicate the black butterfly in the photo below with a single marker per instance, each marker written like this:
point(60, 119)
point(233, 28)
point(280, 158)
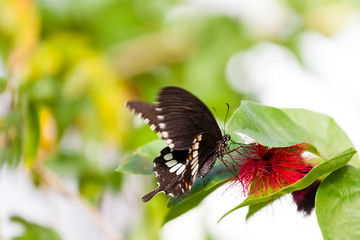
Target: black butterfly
point(193, 137)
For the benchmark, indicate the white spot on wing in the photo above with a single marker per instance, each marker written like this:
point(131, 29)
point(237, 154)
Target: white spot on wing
point(139, 115)
point(176, 167)
point(158, 109)
point(193, 162)
point(171, 146)
point(197, 145)
point(194, 171)
point(168, 156)
point(168, 141)
point(195, 154)
point(146, 120)
point(171, 163)
point(193, 179)
point(160, 117)
point(165, 134)
point(181, 170)
point(152, 127)
point(162, 125)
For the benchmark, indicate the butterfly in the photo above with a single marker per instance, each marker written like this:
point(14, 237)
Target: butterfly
point(192, 134)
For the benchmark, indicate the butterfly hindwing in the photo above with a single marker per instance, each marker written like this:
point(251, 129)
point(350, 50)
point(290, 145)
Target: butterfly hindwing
point(178, 169)
point(170, 168)
point(206, 152)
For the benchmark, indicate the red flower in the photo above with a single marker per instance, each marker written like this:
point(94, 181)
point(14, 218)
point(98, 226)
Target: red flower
point(264, 168)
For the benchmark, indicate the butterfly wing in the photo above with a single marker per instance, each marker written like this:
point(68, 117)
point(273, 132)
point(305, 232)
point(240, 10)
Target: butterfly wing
point(182, 117)
point(177, 169)
point(192, 134)
point(178, 118)
point(172, 167)
point(146, 111)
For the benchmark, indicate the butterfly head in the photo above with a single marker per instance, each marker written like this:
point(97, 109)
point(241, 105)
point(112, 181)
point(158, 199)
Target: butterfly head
point(226, 138)
point(222, 146)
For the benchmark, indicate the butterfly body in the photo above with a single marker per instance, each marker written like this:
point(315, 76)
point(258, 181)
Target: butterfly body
point(193, 137)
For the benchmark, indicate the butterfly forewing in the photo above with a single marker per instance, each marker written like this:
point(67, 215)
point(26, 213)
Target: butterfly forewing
point(146, 111)
point(182, 117)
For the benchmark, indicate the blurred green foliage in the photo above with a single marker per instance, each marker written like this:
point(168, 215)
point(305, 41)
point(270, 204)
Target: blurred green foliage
point(70, 66)
point(34, 231)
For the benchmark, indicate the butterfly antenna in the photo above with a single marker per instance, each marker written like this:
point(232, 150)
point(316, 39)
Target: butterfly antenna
point(226, 116)
point(217, 116)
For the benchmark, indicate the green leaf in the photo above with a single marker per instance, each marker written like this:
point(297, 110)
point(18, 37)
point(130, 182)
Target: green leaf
point(34, 231)
point(267, 125)
point(219, 174)
point(11, 139)
point(337, 204)
point(318, 171)
point(323, 132)
point(284, 127)
point(65, 111)
point(42, 90)
point(32, 136)
point(141, 161)
point(202, 187)
point(256, 207)
point(3, 83)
